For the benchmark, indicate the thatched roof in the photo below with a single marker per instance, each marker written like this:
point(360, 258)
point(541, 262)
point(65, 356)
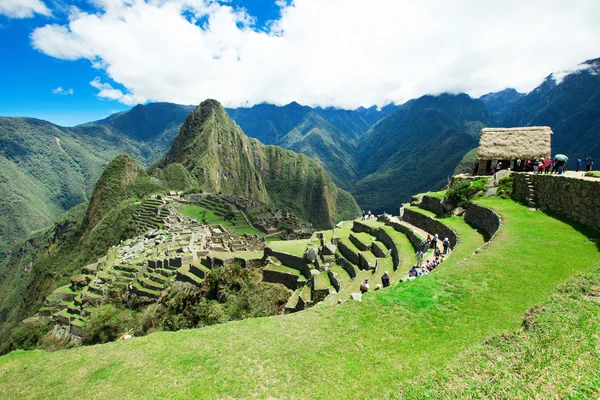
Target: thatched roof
point(513, 143)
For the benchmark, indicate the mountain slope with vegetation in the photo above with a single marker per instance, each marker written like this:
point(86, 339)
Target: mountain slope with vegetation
point(47, 169)
point(36, 266)
point(224, 160)
point(416, 148)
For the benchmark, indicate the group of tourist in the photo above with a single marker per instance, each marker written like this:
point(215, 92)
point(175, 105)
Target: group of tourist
point(420, 269)
point(540, 165)
point(430, 242)
point(208, 245)
point(367, 214)
point(589, 164)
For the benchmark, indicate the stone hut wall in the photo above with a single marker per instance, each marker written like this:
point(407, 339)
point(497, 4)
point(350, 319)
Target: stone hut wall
point(430, 225)
point(577, 199)
point(520, 188)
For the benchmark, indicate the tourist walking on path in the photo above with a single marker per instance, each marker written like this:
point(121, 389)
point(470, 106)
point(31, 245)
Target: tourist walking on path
point(434, 241)
point(364, 214)
point(578, 164)
point(589, 163)
point(419, 258)
point(446, 244)
point(385, 279)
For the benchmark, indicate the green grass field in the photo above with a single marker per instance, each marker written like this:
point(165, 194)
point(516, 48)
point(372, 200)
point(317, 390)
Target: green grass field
point(412, 333)
point(200, 213)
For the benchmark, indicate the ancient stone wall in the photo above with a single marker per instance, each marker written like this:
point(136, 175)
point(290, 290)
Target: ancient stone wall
point(577, 199)
point(429, 225)
point(432, 204)
point(483, 218)
point(382, 236)
point(289, 260)
point(290, 281)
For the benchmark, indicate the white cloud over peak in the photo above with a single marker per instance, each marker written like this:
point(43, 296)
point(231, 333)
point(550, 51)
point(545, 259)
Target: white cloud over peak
point(343, 53)
point(106, 91)
point(23, 8)
point(61, 91)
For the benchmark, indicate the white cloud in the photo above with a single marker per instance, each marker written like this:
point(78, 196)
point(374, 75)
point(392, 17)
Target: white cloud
point(61, 91)
point(23, 8)
point(106, 91)
point(343, 53)
point(559, 76)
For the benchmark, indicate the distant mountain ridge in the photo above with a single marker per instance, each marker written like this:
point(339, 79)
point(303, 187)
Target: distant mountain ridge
point(416, 148)
point(571, 107)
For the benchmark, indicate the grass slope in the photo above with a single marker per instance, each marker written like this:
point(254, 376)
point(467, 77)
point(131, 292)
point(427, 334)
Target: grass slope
point(366, 348)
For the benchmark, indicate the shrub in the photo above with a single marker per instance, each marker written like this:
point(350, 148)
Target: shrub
point(462, 190)
point(106, 324)
point(505, 187)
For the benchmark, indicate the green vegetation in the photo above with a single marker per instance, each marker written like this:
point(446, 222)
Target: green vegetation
point(230, 293)
point(554, 354)
point(462, 190)
point(505, 187)
point(411, 331)
point(295, 247)
point(593, 174)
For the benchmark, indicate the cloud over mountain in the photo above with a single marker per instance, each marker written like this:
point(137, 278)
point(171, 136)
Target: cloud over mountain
point(323, 52)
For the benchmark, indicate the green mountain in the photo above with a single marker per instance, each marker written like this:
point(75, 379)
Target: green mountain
point(328, 135)
point(320, 140)
point(36, 266)
point(223, 159)
point(47, 169)
point(571, 107)
point(498, 102)
point(416, 148)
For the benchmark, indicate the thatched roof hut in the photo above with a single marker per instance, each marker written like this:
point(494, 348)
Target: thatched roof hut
point(513, 143)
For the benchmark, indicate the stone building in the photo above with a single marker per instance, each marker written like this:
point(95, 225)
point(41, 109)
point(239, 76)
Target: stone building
point(511, 144)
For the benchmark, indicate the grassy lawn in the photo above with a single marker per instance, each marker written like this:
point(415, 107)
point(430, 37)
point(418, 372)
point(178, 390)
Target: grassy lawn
point(437, 195)
point(197, 212)
point(295, 247)
point(374, 348)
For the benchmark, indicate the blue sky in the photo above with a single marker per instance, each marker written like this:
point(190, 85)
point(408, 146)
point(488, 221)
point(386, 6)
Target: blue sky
point(76, 61)
point(28, 77)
